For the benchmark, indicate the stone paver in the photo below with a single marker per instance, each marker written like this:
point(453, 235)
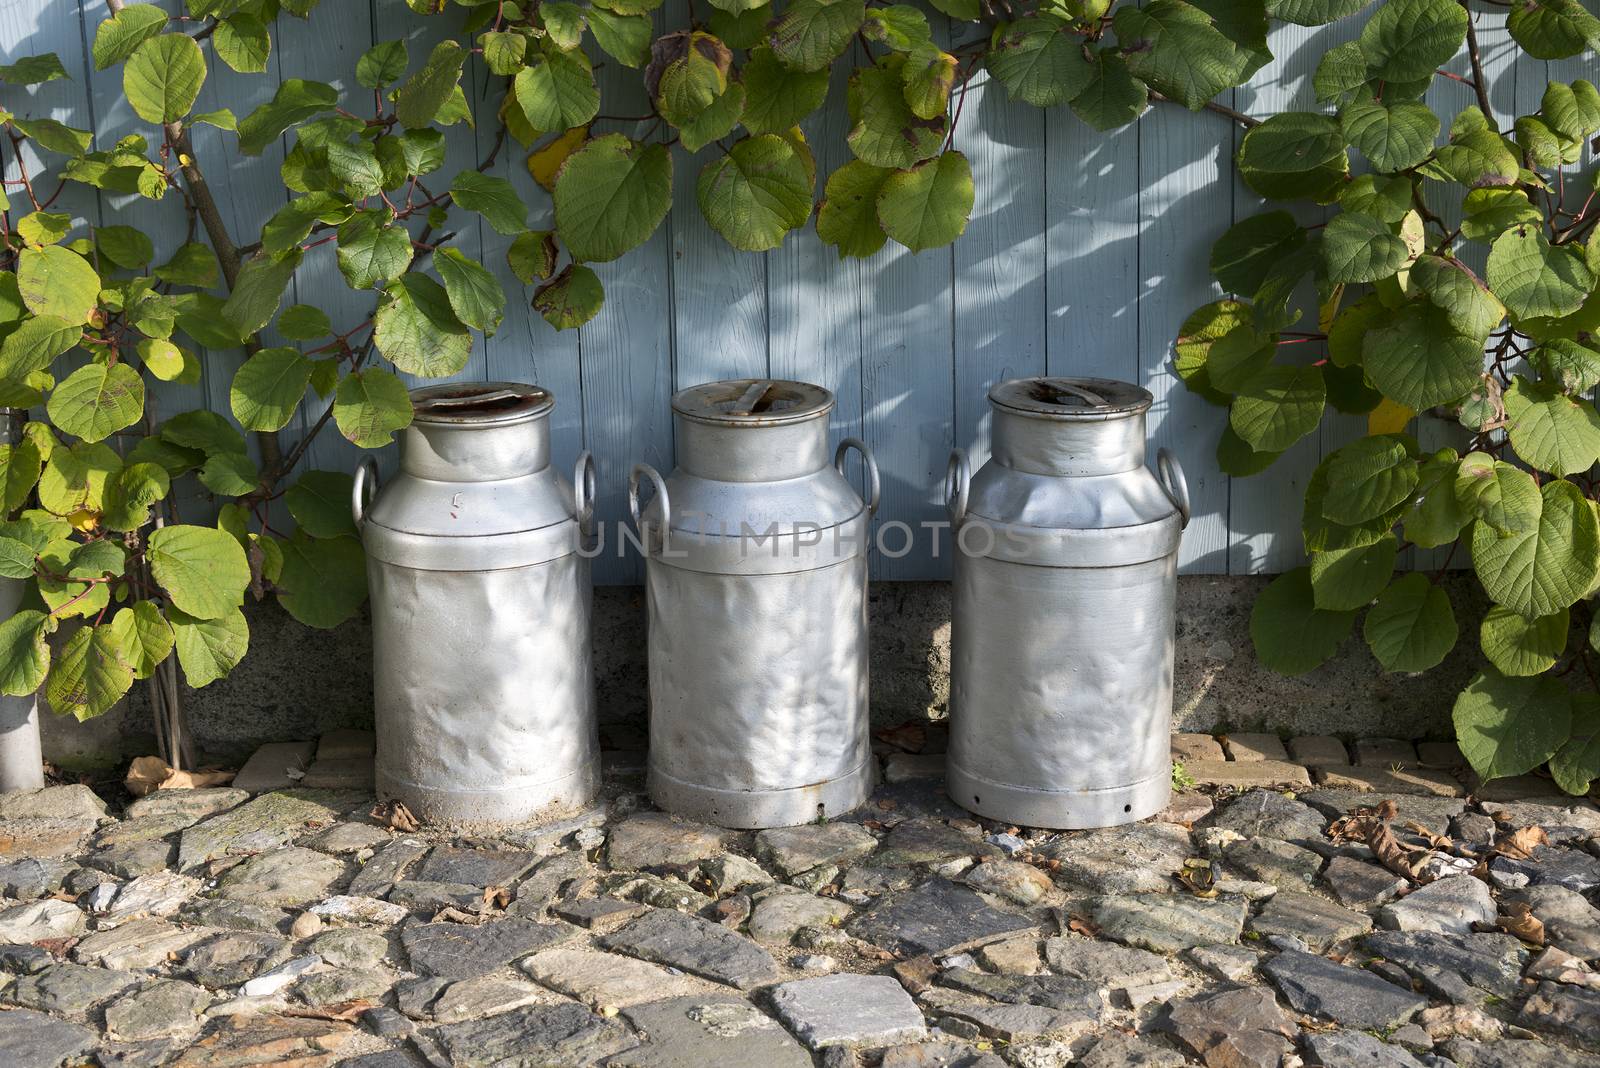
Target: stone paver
point(1390, 753)
point(1189, 747)
point(1386, 781)
point(1243, 774)
point(269, 766)
point(1255, 747)
point(848, 1010)
point(627, 938)
point(1318, 751)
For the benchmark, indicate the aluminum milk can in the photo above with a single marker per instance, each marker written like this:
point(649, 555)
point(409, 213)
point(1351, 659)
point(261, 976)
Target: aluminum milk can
point(480, 612)
point(756, 571)
point(1064, 590)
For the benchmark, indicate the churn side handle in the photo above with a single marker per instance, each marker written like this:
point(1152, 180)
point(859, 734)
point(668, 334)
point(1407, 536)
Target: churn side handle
point(874, 487)
point(646, 471)
point(583, 492)
point(957, 482)
point(360, 495)
point(1172, 480)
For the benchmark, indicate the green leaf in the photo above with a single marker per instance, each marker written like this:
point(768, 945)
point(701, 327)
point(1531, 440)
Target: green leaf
point(927, 206)
point(1573, 111)
point(268, 387)
point(20, 465)
point(1290, 633)
point(1436, 515)
point(97, 400)
point(258, 291)
point(58, 283)
point(1341, 71)
point(416, 328)
point(1112, 97)
point(1039, 61)
point(1417, 358)
point(1359, 248)
point(163, 77)
point(203, 430)
point(1577, 763)
point(929, 73)
point(900, 27)
point(381, 64)
point(16, 559)
point(755, 193)
point(33, 70)
point(1509, 726)
point(1392, 137)
point(848, 217)
point(716, 121)
point(1175, 48)
point(371, 250)
point(320, 503)
point(610, 196)
point(810, 34)
point(558, 91)
point(304, 322)
point(1198, 336)
point(24, 656)
point(370, 405)
point(1452, 287)
point(1550, 430)
point(129, 494)
point(191, 265)
point(75, 477)
point(426, 92)
point(35, 344)
point(1343, 579)
point(1238, 356)
point(503, 52)
point(210, 648)
point(1368, 478)
point(474, 294)
point(494, 198)
point(1553, 29)
point(55, 136)
point(1314, 12)
point(242, 42)
point(1540, 569)
point(221, 118)
point(625, 38)
point(124, 246)
point(777, 97)
point(1278, 406)
point(1519, 646)
point(202, 569)
point(1243, 255)
point(743, 30)
point(532, 256)
point(44, 227)
point(1567, 365)
point(1293, 155)
point(1406, 40)
point(356, 168)
point(1412, 626)
point(885, 132)
point(143, 636)
point(90, 675)
point(695, 73)
point(563, 23)
point(116, 38)
point(571, 298)
point(324, 580)
point(1502, 496)
point(1383, 197)
point(1475, 158)
point(1531, 277)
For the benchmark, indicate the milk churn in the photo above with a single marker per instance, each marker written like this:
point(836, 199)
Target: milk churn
point(1064, 591)
point(480, 612)
point(756, 570)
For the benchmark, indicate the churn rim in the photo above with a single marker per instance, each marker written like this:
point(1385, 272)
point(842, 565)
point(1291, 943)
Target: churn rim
point(1027, 396)
point(499, 403)
point(712, 402)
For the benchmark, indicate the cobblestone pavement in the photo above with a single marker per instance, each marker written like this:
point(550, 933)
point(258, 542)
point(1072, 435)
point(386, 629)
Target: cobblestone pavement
point(1249, 926)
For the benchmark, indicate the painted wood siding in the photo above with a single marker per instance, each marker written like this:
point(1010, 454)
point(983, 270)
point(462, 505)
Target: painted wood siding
point(1084, 254)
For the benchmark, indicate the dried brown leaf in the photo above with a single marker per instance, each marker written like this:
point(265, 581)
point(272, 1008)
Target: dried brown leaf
point(1517, 919)
point(394, 815)
point(1520, 844)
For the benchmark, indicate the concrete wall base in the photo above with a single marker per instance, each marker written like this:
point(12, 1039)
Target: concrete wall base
point(300, 683)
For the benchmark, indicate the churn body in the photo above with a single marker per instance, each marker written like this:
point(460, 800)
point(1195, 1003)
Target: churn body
point(756, 572)
point(480, 610)
point(1063, 610)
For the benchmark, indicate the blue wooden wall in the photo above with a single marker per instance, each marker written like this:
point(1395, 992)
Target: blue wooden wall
point(1084, 254)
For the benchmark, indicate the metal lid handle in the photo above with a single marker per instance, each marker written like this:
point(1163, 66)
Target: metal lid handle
point(874, 485)
point(957, 484)
point(583, 492)
point(646, 471)
point(360, 495)
point(1176, 486)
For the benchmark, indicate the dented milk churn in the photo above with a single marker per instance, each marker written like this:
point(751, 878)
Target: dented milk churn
point(756, 571)
point(480, 612)
point(1065, 584)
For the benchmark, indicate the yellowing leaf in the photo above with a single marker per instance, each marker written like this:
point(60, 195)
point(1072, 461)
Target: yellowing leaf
point(545, 162)
point(1389, 417)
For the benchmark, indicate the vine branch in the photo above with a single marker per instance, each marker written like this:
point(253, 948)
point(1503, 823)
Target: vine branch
point(1239, 117)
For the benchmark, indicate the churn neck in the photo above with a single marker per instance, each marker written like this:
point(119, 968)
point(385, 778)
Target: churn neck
point(1069, 426)
point(752, 429)
point(477, 432)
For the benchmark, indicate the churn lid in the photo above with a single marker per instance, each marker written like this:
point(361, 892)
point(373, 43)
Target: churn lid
point(479, 403)
point(752, 402)
point(1071, 398)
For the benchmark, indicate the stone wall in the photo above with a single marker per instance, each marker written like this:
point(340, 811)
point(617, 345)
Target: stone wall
point(299, 683)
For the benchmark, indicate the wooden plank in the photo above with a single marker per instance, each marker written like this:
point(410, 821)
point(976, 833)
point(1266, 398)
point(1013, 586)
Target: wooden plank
point(1264, 509)
point(627, 364)
point(1185, 201)
point(1000, 262)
